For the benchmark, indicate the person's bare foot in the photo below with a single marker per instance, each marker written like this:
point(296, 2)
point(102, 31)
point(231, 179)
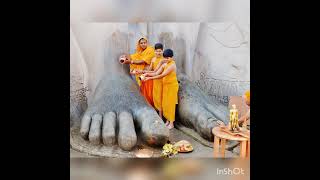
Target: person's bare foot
point(167, 123)
point(170, 125)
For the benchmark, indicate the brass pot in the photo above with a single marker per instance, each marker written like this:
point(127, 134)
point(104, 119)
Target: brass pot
point(122, 60)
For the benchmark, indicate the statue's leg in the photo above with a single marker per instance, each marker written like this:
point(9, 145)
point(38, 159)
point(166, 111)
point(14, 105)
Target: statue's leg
point(114, 113)
point(197, 111)
point(127, 137)
point(109, 128)
point(152, 127)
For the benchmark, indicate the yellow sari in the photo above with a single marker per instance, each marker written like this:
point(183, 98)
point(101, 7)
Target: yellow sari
point(145, 55)
point(157, 87)
point(169, 93)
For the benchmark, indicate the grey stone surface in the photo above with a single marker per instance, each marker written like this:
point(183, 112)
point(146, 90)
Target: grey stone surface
point(78, 145)
point(95, 129)
point(77, 154)
point(109, 128)
point(192, 133)
point(88, 149)
point(230, 145)
point(236, 150)
point(197, 111)
point(127, 137)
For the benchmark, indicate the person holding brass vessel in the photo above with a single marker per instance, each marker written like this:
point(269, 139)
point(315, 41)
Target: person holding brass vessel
point(139, 61)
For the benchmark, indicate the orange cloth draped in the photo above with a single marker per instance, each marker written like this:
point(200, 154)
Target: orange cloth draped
point(157, 87)
point(146, 90)
point(169, 93)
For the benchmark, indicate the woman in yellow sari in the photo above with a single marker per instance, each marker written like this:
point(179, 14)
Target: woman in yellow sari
point(138, 61)
point(170, 86)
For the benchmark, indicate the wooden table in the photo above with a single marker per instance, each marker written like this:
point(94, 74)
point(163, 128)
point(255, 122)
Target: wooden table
point(219, 143)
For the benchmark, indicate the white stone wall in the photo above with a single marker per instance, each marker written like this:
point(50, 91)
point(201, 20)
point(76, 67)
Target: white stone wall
point(91, 38)
point(78, 80)
point(181, 37)
point(221, 66)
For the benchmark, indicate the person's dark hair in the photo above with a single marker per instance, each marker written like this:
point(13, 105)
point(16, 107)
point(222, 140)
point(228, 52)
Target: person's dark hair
point(141, 39)
point(168, 53)
point(158, 46)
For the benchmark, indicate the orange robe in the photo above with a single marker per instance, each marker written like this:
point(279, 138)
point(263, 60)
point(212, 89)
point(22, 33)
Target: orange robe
point(146, 90)
point(169, 94)
point(157, 87)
